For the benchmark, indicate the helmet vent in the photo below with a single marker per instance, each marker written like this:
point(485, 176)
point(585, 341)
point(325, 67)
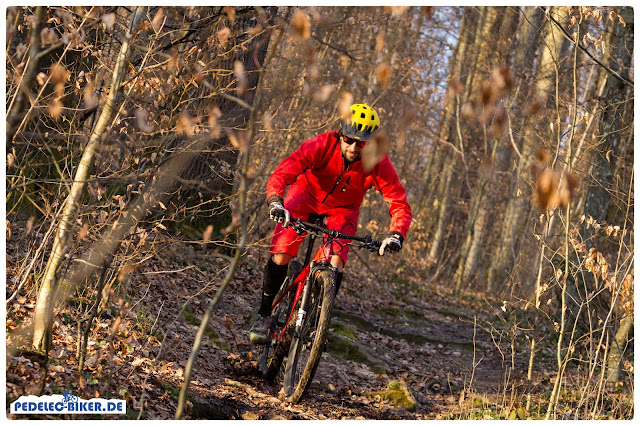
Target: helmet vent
point(359, 127)
point(362, 115)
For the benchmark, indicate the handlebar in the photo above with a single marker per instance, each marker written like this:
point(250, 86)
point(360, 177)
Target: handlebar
point(301, 226)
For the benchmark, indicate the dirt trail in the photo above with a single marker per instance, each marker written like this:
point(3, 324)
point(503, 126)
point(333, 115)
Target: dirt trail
point(381, 333)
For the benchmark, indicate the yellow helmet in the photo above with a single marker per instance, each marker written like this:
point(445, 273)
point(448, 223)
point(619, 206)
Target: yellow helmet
point(362, 124)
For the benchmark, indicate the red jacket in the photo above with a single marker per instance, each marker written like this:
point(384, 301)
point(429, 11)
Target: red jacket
point(319, 168)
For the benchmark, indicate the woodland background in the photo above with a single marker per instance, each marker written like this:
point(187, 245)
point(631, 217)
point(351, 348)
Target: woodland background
point(139, 141)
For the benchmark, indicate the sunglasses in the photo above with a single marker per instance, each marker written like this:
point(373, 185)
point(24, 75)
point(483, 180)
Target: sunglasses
point(349, 141)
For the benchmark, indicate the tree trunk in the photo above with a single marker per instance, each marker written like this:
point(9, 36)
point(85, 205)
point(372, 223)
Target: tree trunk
point(505, 254)
point(618, 346)
point(28, 80)
point(50, 281)
point(520, 204)
point(439, 152)
point(484, 198)
point(446, 176)
point(611, 123)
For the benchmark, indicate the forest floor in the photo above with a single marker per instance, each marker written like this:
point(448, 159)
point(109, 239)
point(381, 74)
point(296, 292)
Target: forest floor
point(397, 350)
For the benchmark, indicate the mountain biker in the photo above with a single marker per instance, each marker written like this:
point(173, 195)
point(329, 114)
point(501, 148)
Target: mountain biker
point(325, 176)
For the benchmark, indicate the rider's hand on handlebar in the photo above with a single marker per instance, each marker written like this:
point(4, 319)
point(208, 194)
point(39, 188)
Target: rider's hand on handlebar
point(277, 212)
point(392, 244)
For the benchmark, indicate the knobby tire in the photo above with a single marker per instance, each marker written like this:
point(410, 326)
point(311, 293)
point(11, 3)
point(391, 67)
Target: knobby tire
point(297, 376)
point(273, 353)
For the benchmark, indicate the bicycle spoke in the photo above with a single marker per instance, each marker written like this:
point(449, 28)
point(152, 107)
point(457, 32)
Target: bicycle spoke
point(306, 350)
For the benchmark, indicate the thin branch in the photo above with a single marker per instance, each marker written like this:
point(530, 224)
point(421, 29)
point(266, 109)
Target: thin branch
point(584, 49)
point(334, 47)
point(513, 142)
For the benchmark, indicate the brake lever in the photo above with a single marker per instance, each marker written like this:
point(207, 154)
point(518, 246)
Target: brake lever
point(369, 243)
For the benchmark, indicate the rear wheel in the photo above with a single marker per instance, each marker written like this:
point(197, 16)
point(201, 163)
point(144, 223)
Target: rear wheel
point(273, 353)
point(306, 349)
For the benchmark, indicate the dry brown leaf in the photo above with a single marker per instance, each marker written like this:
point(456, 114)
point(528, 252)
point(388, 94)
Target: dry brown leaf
point(407, 118)
point(223, 36)
point(173, 63)
point(396, 10)
point(380, 42)
point(214, 115)
point(374, 151)
point(468, 111)
point(310, 54)
point(185, 124)
point(142, 117)
point(533, 108)
point(344, 104)
point(543, 156)
point(502, 80)
point(301, 25)
point(158, 20)
point(84, 231)
point(427, 11)
point(455, 84)
point(547, 196)
point(567, 189)
point(30, 225)
point(235, 224)
point(55, 109)
point(59, 90)
point(231, 13)
point(241, 75)
point(486, 92)
point(89, 96)
point(41, 78)
point(267, 120)
point(624, 24)
point(59, 73)
point(251, 173)
point(487, 113)
point(324, 93)
point(48, 37)
point(233, 139)
point(206, 235)
point(499, 122)
point(383, 73)
point(109, 20)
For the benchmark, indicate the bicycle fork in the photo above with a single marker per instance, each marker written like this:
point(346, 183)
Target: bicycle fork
point(314, 268)
point(304, 303)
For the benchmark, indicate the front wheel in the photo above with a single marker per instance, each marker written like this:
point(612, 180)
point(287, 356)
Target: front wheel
point(273, 352)
point(306, 349)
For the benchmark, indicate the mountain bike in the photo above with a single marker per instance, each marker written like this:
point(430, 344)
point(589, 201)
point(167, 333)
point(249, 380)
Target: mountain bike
point(302, 308)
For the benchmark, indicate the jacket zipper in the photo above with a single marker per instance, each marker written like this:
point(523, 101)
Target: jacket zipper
point(344, 188)
point(335, 184)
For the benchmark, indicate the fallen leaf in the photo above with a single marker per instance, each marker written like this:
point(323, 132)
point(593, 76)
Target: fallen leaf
point(300, 25)
point(158, 20)
point(223, 36)
point(383, 74)
point(206, 235)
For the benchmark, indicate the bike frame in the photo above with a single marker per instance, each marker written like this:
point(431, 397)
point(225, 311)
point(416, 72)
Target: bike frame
point(302, 283)
point(299, 295)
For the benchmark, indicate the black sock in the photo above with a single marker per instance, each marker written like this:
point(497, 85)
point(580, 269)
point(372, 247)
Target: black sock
point(338, 280)
point(274, 275)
